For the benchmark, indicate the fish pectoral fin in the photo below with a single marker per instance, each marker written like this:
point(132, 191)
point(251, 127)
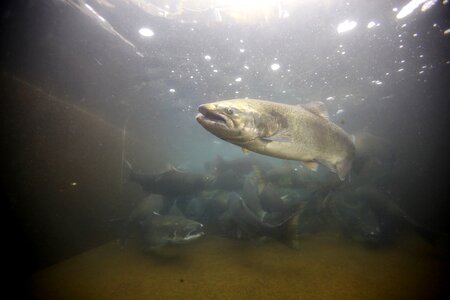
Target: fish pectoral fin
point(282, 136)
point(311, 165)
point(245, 151)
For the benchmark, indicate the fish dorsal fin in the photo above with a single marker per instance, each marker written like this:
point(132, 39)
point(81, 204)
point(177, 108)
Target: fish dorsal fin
point(169, 167)
point(318, 108)
point(175, 211)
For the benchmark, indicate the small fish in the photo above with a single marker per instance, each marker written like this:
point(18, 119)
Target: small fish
point(385, 207)
point(172, 182)
point(173, 228)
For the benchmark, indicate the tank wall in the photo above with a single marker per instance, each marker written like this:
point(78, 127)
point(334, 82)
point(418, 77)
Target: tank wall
point(62, 174)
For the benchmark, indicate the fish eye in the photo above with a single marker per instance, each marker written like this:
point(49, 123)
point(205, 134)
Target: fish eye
point(229, 111)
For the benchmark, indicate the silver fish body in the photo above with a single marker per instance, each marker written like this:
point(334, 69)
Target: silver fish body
point(295, 132)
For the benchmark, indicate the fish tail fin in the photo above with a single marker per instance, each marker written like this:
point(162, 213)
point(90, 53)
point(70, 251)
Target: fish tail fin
point(343, 167)
point(291, 229)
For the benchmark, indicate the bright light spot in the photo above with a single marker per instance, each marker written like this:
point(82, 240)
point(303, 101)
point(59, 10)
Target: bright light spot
point(409, 8)
point(346, 26)
point(172, 91)
point(421, 55)
point(343, 52)
point(340, 111)
point(415, 35)
point(275, 67)
point(421, 72)
point(427, 5)
point(402, 61)
point(401, 46)
point(147, 32)
point(207, 57)
point(400, 70)
point(331, 98)
point(236, 92)
point(242, 50)
point(284, 92)
point(241, 41)
point(215, 71)
point(73, 184)
point(395, 9)
point(404, 25)
point(246, 67)
point(447, 31)
point(371, 24)
point(94, 12)
point(239, 79)
point(377, 82)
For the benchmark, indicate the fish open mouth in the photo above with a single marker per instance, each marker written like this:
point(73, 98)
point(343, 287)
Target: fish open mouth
point(209, 117)
point(194, 236)
point(194, 233)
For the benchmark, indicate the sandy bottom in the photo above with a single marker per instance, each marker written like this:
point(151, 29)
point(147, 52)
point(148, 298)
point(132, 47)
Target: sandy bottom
point(325, 267)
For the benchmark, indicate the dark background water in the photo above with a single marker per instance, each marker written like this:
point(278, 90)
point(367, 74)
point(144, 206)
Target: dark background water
point(69, 84)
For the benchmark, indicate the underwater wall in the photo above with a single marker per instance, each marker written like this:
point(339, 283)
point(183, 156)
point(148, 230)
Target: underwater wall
point(62, 174)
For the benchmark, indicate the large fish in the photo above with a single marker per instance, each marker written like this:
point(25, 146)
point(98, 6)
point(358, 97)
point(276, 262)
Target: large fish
point(296, 132)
